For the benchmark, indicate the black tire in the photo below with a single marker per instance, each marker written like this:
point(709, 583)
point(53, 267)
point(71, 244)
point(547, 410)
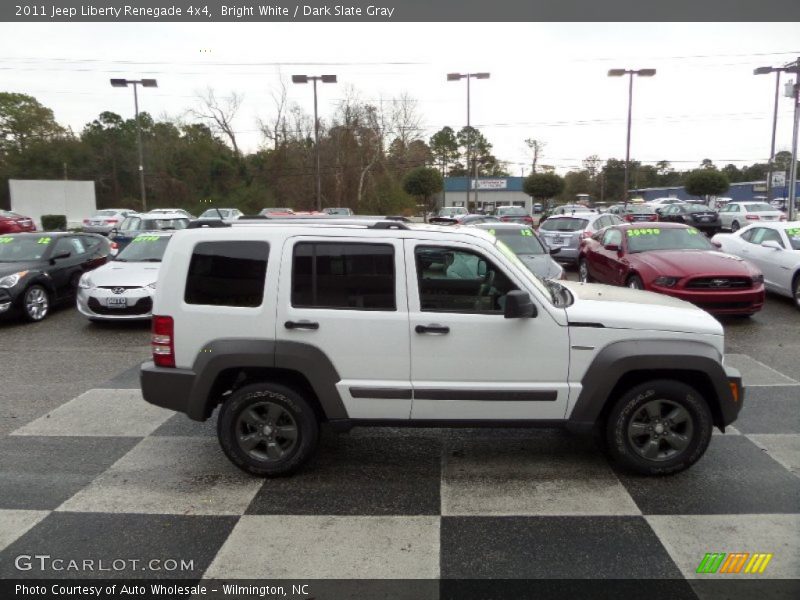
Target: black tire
point(273, 455)
point(635, 282)
point(629, 439)
point(583, 271)
point(796, 289)
point(735, 227)
point(35, 303)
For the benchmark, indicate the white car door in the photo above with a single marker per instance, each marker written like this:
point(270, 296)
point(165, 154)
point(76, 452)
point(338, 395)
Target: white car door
point(468, 362)
point(347, 297)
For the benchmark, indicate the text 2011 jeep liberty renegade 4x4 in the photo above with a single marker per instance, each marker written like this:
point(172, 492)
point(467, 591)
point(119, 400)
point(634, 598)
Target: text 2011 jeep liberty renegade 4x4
point(289, 325)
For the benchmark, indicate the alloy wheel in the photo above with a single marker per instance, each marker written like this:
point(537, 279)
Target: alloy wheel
point(36, 303)
point(583, 271)
point(266, 431)
point(660, 430)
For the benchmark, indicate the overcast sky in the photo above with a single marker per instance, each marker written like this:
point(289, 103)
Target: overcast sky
point(548, 81)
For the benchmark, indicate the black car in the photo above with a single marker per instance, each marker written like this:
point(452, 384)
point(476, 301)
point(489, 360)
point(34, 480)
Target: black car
point(39, 270)
point(135, 224)
point(699, 216)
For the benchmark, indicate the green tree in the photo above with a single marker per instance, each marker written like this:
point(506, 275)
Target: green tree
point(706, 182)
point(423, 182)
point(444, 148)
point(543, 186)
point(22, 120)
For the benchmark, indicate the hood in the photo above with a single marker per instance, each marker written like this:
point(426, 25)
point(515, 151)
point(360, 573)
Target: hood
point(115, 273)
point(695, 262)
point(9, 268)
point(624, 308)
point(542, 265)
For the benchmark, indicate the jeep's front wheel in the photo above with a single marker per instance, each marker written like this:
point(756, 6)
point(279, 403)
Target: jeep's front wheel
point(659, 428)
point(267, 429)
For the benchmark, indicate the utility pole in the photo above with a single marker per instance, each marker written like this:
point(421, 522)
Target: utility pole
point(793, 168)
point(471, 168)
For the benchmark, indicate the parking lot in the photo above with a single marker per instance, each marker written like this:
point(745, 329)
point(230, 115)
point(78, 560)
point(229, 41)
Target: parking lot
point(91, 471)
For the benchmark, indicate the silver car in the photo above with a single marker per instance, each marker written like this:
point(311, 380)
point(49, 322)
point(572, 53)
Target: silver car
point(566, 232)
point(736, 215)
point(103, 221)
point(523, 241)
point(227, 215)
point(123, 289)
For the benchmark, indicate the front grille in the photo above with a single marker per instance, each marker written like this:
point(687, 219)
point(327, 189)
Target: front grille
point(141, 307)
point(118, 287)
point(721, 284)
point(725, 305)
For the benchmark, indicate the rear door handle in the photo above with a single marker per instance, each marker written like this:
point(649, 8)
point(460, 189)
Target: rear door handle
point(433, 328)
point(301, 325)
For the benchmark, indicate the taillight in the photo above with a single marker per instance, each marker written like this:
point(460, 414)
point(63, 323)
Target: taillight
point(86, 221)
point(629, 218)
point(162, 341)
point(586, 234)
point(783, 217)
point(653, 218)
point(505, 219)
point(110, 221)
point(752, 217)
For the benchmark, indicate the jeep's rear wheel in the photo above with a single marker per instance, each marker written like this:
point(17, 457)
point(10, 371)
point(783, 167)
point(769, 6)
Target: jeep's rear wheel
point(267, 429)
point(659, 427)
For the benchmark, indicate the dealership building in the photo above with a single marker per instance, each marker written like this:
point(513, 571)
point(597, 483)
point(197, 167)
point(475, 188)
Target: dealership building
point(492, 192)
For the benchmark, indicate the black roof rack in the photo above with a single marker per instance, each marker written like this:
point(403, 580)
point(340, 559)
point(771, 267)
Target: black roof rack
point(388, 225)
point(202, 223)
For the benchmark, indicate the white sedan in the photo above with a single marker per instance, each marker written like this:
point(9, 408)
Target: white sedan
point(736, 215)
point(773, 247)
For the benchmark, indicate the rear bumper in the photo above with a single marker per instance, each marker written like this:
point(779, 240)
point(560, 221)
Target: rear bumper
point(168, 388)
point(567, 255)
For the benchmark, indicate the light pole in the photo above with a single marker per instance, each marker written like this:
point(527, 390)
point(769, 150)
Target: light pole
point(793, 67)
point(468, 76)
point(630, 73)
point(323, 79)
point(135, 83)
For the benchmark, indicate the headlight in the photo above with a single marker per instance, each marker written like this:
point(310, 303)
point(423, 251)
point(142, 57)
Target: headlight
point(10, 281)
point(758, 279)
point(666, 281)
point(85, 283)
point(152, 286)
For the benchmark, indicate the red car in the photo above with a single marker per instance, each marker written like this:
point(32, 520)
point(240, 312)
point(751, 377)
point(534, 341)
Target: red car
point(11, 222)
point(672, 259)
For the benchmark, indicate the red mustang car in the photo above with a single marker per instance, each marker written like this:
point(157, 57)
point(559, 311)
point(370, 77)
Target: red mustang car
point(11, 222)
point(672, 259)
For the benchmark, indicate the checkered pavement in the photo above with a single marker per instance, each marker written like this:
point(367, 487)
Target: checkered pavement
point(108, 475)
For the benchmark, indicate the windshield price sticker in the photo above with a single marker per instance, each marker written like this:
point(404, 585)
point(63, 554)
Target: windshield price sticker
point(792, 233)
point(526, 232)
point(6, 240)
point(44, 240)
point(647, 231)
point(146, 238)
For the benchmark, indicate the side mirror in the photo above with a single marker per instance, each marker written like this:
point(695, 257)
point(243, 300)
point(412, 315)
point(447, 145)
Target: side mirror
point(612, 247)
point(771, 244)
point(716, 244)
point(66, 254)
point(554, 251)
point(519, 305)
point(483, 268)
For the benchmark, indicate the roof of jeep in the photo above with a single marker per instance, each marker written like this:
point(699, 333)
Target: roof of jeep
point(391, 229)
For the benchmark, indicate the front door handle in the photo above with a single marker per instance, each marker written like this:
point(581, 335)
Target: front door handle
point(433, 328)
point(301, 325)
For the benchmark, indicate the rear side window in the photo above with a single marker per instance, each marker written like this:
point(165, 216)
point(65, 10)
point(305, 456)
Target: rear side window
point(343, 276)
point(227, 274)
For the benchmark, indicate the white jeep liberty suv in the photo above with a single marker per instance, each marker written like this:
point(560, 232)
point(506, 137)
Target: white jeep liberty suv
point(288, 325)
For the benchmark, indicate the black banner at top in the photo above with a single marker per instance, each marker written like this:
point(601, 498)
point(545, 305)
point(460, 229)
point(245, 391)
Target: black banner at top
point(397, 10)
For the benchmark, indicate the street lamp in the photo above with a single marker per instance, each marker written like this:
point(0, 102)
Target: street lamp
point(793, 67)
point(135, 83)
point(468, 76)
point(323, 79)
point(630, 73)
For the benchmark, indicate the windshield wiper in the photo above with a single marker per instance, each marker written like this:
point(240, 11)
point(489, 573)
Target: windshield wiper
point(149, 260)
point(120, 260)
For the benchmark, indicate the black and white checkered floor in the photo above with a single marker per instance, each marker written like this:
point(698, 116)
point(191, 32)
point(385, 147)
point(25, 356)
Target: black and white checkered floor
point(107, 475)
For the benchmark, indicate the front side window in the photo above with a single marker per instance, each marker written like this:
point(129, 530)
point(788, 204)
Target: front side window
point(130, 224)
point(456, 280)
point(350, 276)
point(764, 234)
point(227, 274)
point(612, 236)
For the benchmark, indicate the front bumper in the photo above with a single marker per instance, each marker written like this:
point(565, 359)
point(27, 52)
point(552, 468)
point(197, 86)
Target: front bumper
point(731, 402)
point(93, 303)
point(729, 302)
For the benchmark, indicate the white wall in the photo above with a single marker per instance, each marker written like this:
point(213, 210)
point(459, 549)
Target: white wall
point(36, 197)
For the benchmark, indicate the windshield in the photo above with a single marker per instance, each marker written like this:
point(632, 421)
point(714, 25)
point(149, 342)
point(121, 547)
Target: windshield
point(760, 207)
point(645, 239)
point(521, 241)
point(105, 213)
point(216, 213)
point(564, 224)
point(154, 224)
point(145, 248)
point(23, 248)
point(640, 209)
point(510, 255)
point(511, 210)
point(696, 208)
point(793, 233)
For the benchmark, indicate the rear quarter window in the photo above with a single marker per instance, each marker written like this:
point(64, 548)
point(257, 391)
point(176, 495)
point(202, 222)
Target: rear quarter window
point(227, 274)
